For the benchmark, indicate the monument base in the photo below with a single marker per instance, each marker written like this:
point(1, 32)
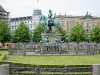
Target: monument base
point(51, 36)
point(52, 47)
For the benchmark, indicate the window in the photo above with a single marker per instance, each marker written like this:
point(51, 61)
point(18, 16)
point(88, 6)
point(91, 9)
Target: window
point(12, 27)
point(92, 25)
point(87, 30)
point(28, 21)
point(18, 22)
point(62, 23)
point(81, 23)
point(31, 25)
point(10, 23)
point(97, 24)
point(34, 22)
point(67, 23)
point(72, 22)
point(87, 24)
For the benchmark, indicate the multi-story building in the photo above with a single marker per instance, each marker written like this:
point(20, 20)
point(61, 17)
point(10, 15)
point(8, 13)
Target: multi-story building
point(4, 14)
point(31, 21)
point(87, 21)
point(67, 21)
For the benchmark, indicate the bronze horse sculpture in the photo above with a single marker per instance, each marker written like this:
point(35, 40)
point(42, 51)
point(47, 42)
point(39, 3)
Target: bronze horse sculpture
point(46, 21)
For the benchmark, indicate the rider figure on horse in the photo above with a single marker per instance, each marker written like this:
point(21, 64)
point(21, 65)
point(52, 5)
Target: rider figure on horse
point(49, 22)
point(50, 16)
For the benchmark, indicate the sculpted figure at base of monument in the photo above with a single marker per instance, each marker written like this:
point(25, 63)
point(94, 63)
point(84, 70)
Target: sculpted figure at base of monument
point(57, 43)
point(46, 41)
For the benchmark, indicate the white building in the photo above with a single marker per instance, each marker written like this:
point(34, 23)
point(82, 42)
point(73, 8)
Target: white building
point(4, 14)
point(31, 21)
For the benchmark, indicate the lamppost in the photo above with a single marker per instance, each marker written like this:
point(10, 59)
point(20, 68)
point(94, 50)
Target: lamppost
point(30, 35)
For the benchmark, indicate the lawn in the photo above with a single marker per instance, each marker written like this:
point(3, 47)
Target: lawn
point(2, 54)
point(55, 60)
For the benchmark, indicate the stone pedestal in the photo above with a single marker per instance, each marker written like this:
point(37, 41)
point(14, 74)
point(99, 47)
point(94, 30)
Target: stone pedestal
point(4, 69)
point(52, 47)
point(51, 36)
point(96, 69)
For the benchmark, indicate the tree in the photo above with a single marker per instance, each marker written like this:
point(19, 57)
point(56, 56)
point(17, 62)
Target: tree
point(4, 32)
point(22, 33)
point(63, 34)
point(37, 33)
point(77, 34)
point(95, 34)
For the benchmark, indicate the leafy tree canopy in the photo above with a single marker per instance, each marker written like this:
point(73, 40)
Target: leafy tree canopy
point(63, 34)
point(4, 31)
point(37, 33)
point(95, 34)
point(22, 33)
point(77, 33)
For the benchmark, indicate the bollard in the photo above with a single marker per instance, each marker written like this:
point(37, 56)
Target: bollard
point(59, 49)
point(96, 69)
point(10, 49)
point(42, 49)
point(4, 69)
point(24, 49)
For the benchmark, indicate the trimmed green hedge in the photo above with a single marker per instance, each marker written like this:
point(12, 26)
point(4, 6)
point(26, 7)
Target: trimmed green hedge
point(41, 66)
point(3, 49)
point(20, 71)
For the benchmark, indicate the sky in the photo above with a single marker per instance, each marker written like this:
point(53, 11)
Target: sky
point(22, 8)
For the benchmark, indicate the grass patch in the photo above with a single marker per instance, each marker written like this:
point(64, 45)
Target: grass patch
point(55, 60)
point(2, 54)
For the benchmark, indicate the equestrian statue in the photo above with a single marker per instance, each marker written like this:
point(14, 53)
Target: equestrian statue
point(49, 21)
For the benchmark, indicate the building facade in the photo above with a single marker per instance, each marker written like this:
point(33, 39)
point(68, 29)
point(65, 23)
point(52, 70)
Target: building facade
point(4, 14)
point(30, 21)
point(87, 21)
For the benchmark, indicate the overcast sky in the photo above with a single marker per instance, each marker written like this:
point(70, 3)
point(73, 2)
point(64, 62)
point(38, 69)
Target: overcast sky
point(21, 8)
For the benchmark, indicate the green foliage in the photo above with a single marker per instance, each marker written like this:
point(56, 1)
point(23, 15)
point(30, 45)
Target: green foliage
point(4, 31)
point(27, 69)
point(95, 34)
point(3, 49)
point(37, 33)
point(63, 34)
point(22, 33)
point(77, 34)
